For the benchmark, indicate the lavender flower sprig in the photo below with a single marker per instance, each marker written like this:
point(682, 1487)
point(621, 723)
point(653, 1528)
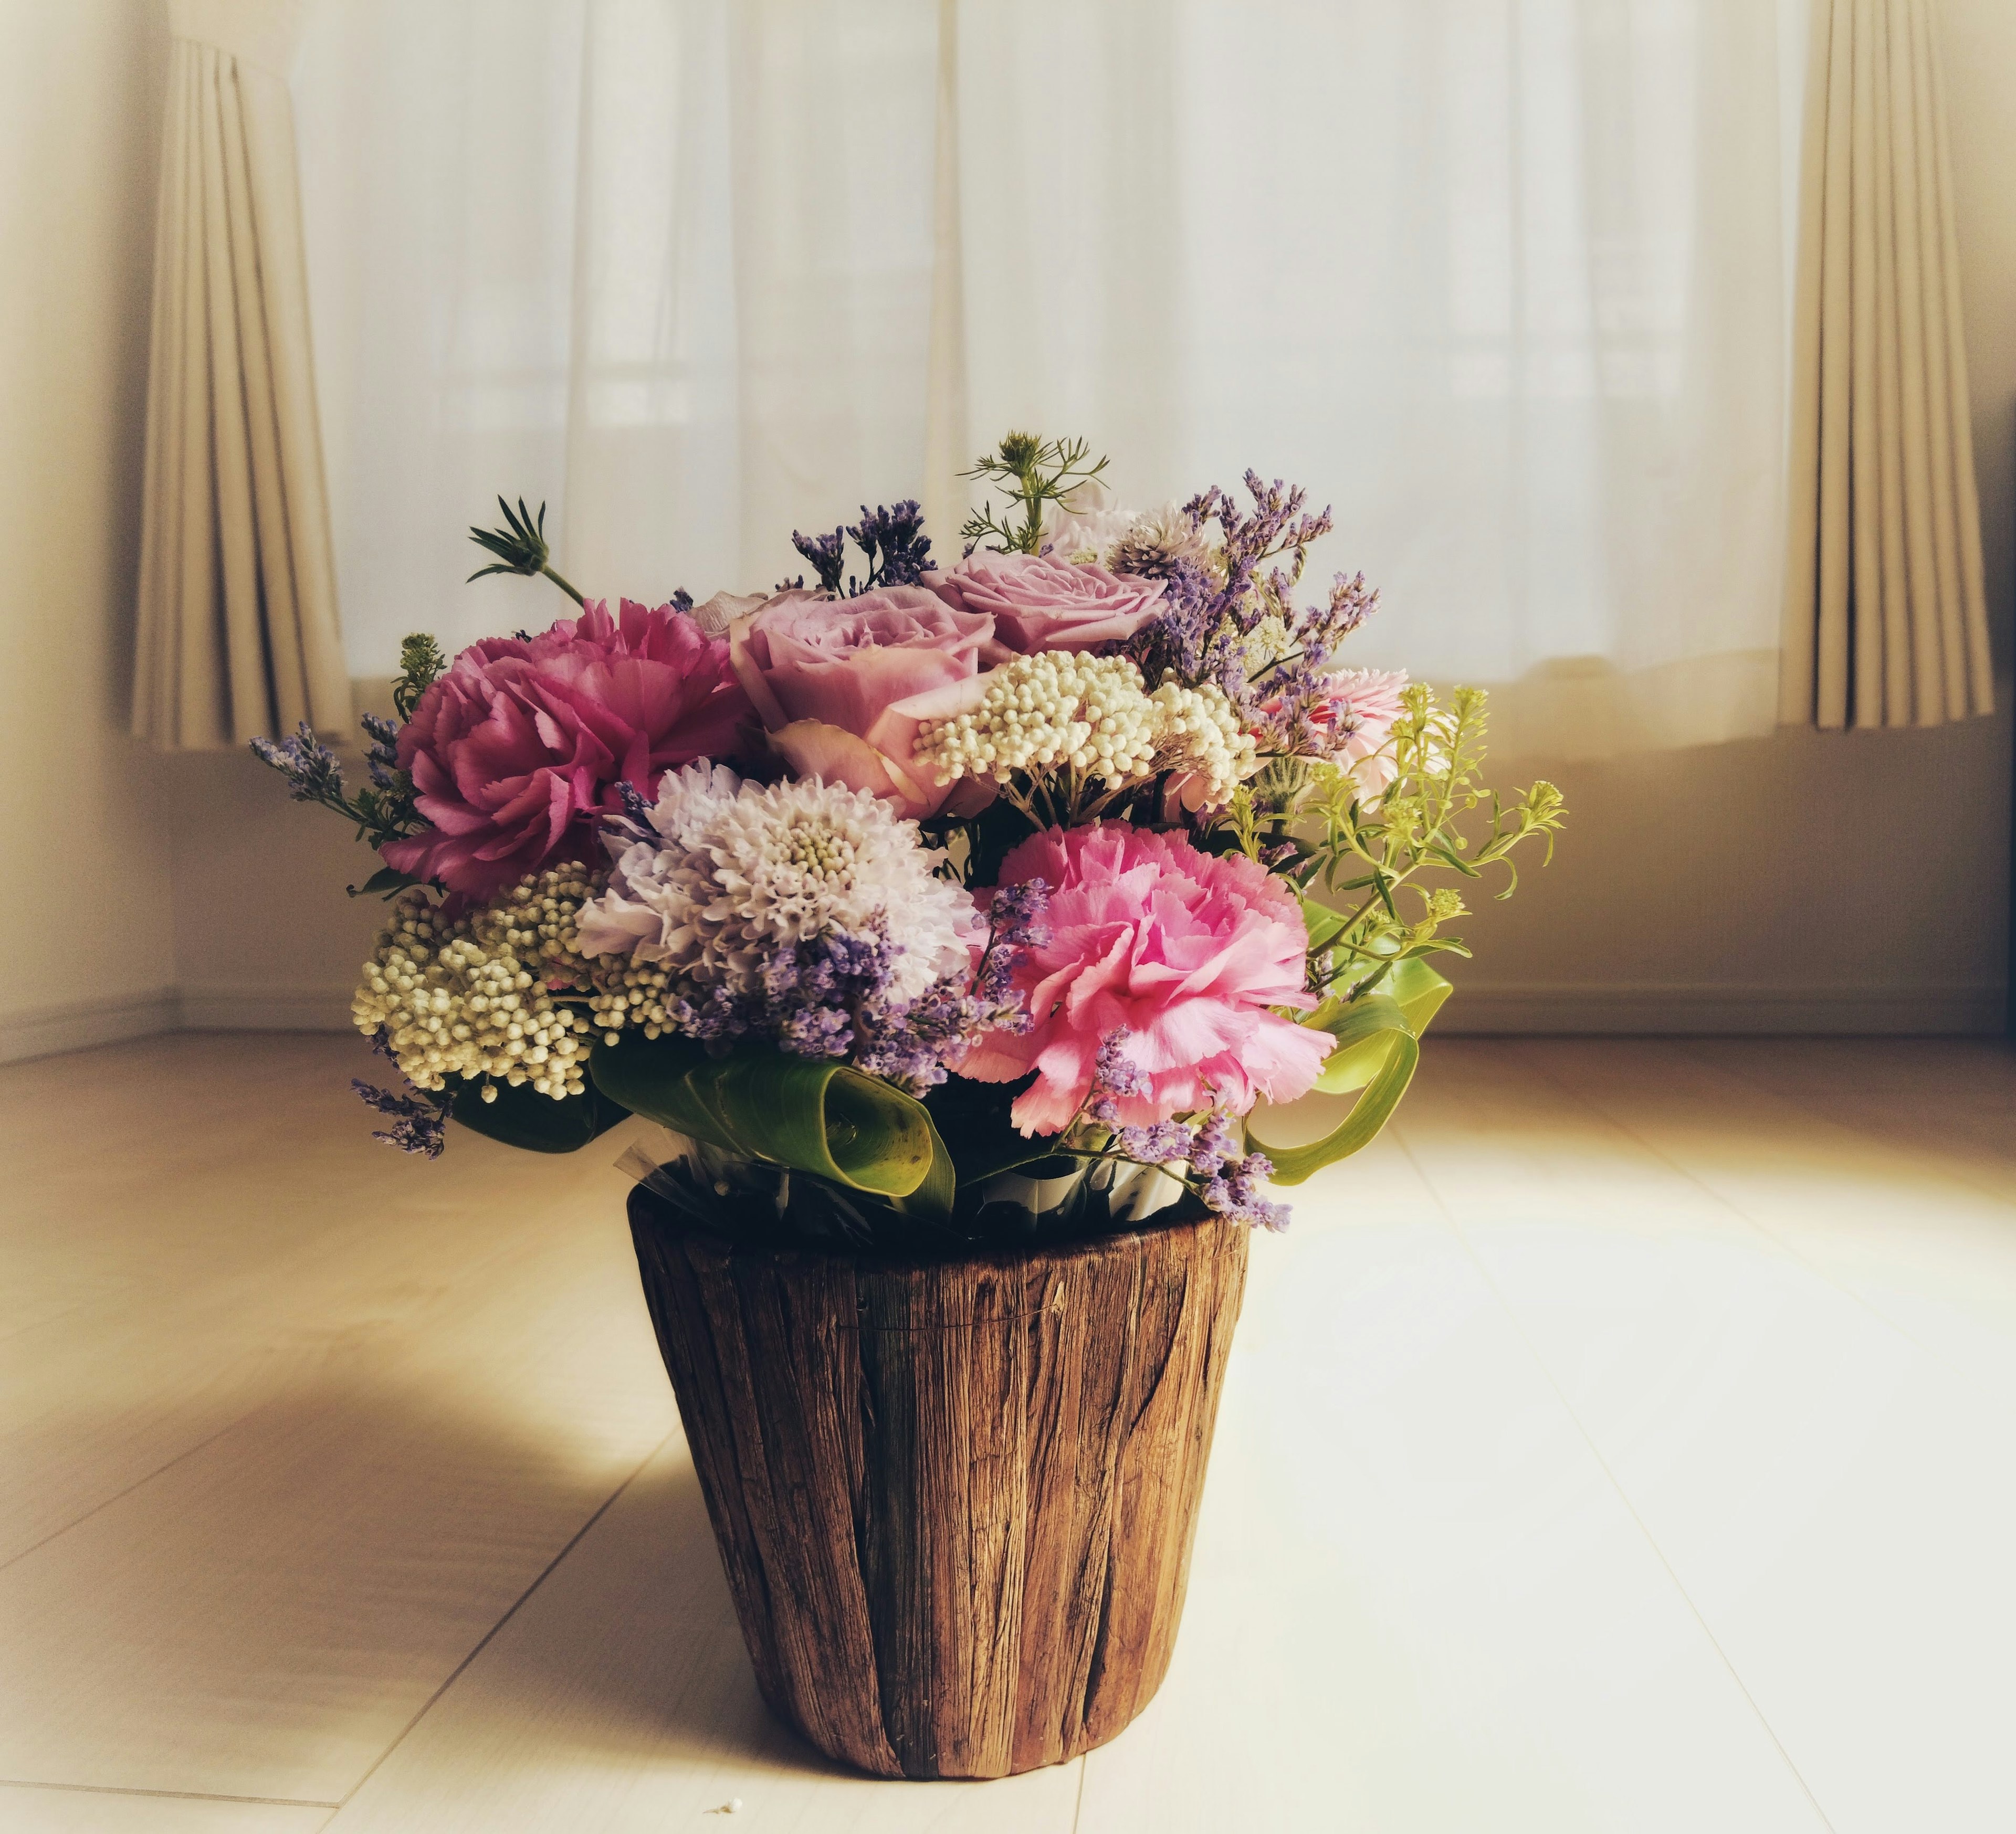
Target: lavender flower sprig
point(892, 539)
point(419, 1120)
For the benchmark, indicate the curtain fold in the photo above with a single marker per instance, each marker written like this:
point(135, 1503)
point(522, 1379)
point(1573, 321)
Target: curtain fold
point(238, 630)
point(1504, 282)
point(1885, 619)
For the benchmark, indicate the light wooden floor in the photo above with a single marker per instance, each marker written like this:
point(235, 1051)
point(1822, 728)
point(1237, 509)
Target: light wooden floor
point(1622, 1443)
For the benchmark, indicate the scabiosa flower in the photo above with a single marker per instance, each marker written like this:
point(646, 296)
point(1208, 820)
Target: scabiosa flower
point(1158, 541)
point(516, 751)
point(737, 873)
point(1188, 953)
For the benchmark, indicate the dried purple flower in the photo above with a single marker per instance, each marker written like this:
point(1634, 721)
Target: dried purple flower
point(419, 1125)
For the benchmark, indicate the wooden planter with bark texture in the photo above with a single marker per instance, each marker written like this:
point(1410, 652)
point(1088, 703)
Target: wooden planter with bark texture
point(955, 1499)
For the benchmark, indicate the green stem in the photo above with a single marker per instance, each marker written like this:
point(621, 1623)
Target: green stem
point(563, 585)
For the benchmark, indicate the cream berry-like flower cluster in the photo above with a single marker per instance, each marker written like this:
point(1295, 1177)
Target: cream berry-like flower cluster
point(1059, 710)
point(473, 997)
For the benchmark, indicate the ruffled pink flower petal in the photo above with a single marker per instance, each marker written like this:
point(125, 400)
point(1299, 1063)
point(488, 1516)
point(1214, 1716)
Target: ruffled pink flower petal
point(517, 749)
point(1190, 953)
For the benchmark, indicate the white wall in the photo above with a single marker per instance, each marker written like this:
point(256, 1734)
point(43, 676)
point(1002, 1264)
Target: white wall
point(1805, 881)
point(85, 909)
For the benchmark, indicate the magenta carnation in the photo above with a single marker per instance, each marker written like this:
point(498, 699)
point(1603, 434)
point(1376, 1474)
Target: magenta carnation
point(516, 751)
point(1183, 952)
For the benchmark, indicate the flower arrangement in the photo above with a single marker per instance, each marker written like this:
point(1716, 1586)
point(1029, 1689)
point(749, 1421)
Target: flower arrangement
point(927, 905)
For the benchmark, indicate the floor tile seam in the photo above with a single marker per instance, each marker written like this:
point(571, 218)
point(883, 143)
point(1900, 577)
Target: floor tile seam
point(1790, 1250)
point(137, 1483)
point(169, 1795)
point(1609, 1476)
point(490, 1636)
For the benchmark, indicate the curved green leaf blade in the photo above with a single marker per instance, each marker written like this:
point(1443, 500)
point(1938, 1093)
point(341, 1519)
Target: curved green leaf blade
point(1369, 1113)
point(820, 1117)
point(1360, 1025)
point(523, 1118)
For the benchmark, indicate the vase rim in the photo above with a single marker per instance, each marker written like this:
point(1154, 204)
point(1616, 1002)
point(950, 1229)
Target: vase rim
point(647, 1209)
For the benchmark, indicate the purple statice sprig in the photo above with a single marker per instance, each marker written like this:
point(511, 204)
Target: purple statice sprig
point(1207, 1156)
point(419, 1120)
point(311, 768)
point(826, 554)
point(381, 756)
point(384, 810)
point(915, 1044)
point(635, 822)
point(1115, 1077)
point(891, 539)
point(1206, 629)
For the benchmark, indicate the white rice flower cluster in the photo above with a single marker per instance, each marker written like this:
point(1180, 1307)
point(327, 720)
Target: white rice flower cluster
point(1202, 737)
point(741, 873)
point(628, 994)
point(1060, 710)
point(471, 998)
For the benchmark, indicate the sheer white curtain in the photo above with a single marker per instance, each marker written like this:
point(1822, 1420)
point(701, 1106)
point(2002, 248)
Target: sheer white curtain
point(1503, 280)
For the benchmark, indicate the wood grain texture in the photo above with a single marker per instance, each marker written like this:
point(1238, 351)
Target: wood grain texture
point(955, 1500)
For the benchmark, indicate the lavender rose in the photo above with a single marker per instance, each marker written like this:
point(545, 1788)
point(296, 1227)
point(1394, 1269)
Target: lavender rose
point(1039, 603)
point(832, 678)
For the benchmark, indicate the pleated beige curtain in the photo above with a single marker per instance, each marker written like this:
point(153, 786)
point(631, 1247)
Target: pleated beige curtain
point(1886, 623)
point(237, 629)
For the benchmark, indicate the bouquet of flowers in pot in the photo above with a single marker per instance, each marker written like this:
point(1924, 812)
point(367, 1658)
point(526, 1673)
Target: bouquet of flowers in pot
point(928, 903)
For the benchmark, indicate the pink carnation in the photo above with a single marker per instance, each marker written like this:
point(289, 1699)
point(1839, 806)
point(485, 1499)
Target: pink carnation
point(516, 751)
point(1039, 603)
point(1183, 951)
point(1357, 714)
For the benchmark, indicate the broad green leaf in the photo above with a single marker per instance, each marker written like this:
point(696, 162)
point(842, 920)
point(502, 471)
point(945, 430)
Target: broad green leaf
point(1378, 1044)
point(523, 1117)
point(820, 1117)
point(1363, 1027)
point(1369, 1113)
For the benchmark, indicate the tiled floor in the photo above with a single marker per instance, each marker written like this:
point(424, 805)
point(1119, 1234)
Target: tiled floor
point(1621, 1444)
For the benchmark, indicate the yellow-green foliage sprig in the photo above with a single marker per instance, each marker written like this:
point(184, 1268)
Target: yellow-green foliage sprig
point(1373, 849)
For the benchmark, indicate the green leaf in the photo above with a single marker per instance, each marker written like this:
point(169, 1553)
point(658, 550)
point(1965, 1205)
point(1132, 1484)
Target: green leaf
point(1369, 1113)
point(814, 1115)
point(382, 883)
point(523, 1117)
point(1378, 1044)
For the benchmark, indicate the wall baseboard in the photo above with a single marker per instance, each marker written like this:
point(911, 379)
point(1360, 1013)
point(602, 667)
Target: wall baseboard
point(309, 1007)
point(1651, 1008)
point(1699, 1009)
point(77, 1025)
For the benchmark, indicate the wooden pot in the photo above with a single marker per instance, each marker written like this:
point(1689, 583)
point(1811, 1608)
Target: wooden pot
point(955, 1499)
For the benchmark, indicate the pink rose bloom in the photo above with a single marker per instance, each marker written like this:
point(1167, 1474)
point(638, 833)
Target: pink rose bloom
point(840, 684)
point(1039, 603)
point(1185, 951)
point(516, 751)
